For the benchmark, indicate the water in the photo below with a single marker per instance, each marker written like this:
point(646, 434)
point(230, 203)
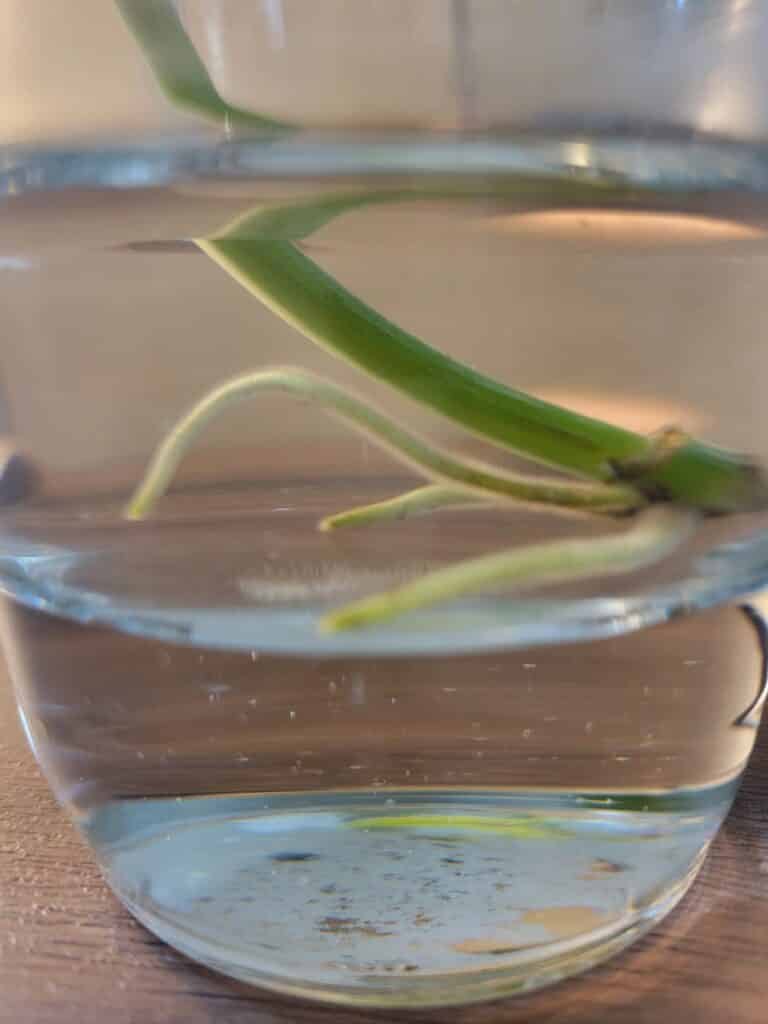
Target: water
point(483, 796)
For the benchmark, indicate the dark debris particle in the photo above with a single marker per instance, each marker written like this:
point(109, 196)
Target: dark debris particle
point(293, 857)
point(351, 926)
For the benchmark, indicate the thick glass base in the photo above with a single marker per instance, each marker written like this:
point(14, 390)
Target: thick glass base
point(397, 899)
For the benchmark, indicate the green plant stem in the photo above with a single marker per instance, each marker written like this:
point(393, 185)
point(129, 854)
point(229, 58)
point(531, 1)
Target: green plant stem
point(474, 477)
point(179, 71)
point(303, 295)
point(658, 531)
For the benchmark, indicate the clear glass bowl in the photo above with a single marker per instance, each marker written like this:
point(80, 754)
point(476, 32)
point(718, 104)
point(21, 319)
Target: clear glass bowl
point(486, 794)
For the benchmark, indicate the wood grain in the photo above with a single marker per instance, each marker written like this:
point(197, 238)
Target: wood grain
point(70, 953)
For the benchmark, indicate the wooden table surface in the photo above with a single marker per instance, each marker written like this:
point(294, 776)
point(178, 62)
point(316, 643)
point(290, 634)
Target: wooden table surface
point(70, 953)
